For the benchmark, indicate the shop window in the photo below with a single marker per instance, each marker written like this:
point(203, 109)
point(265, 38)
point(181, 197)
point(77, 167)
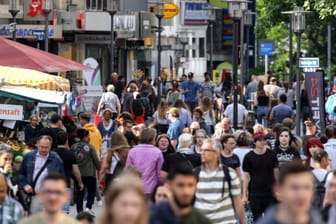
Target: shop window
point(201, 47)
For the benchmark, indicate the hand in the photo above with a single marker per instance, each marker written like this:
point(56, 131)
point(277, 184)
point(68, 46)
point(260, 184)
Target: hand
point(28, 189)
point(100, 188)
point(81, 187)
point(245, 200)
point(8, 168)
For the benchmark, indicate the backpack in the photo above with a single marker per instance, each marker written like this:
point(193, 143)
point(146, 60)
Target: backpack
point(330, 105)
point(319, 192)
point(227, 178)
point(146, 103)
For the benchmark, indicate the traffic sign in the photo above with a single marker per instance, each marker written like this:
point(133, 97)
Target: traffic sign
point(309, 62)
point(170, 10)
point(39, 34)
point(266, 48)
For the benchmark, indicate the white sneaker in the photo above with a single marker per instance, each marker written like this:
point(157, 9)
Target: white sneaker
point(100, 203)
point(90, 211)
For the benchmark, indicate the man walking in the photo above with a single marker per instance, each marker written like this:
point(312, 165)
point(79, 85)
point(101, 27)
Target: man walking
point(179, 207)
point(218, 188)
point(281, 111)
point(260, 168)
point(53, 195)
point(147, 158)
point(36, 165)
point(190, 91)
point(95, 136)
point(295, 192)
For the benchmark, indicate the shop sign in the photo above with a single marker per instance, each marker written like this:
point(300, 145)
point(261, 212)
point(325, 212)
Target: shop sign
point(195, 13)
point(170, 10)
point(126, 26)
point(90, 97)
point(92, 77)
point(27, 31)
point(11, 112)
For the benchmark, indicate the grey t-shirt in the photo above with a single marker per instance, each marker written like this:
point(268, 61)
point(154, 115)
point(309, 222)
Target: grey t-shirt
point(111, 100)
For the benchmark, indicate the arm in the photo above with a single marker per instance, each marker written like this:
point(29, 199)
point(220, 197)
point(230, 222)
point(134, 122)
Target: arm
point(118, 107)
point(77, 174)
point(163, 175)
point(276, 174)
point(238, 205)
point(245, 121)
point(245, 187)
point(103, 168)
point(95, 158)
point(159, 166)
point(100, 104)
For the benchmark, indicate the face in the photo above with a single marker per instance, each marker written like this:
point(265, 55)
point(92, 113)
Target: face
point(160, 194)
point(163, 143)
point(260, 143)
point(128, 127)
point(207, 77)
point(6, 159)
point(107, 115)
point(44, 146)
point(53, 195)
point(183, 188)
point(226, 125)
point(199, 138)
point(82, 122)
point(208, 153)
point(127, 207)
point(284, 138)
point(297, 191)
point(197, 116)
point(190, 79)
point(314, 149)
point(34, 121)
point(3, 189)
point(230, 144)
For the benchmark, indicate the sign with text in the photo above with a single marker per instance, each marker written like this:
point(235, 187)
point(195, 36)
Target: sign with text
point(28, 31)
point(33, 11)
point(266, 48)
point(11, 112)
point(315, 91)
point(170, 10)
point(195, 13)
point(309, 62)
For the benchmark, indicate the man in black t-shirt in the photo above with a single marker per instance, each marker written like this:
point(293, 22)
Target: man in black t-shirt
point(260, 168)
point(69, 163)
point(55, 127)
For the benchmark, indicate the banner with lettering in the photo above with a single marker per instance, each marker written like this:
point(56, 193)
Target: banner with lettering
point(315, 91)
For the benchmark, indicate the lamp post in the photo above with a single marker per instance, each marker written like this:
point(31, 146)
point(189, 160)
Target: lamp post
point(111, 9)
point(245, 47)
point(184, 41)
point(298, 21)
point(236, 9)
point(47, 7)
point(14, 10)
point(211, 12)
point(159, 15)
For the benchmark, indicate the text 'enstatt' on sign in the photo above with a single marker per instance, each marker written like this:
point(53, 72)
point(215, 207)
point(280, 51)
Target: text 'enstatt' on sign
point(309, 63)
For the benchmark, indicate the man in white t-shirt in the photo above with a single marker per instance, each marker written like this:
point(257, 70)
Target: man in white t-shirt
point(242, 115)
point(330, 146)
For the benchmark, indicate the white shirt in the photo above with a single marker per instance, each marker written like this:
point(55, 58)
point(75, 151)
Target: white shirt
point(242, 112)
point(39, 162)
point(330, 148)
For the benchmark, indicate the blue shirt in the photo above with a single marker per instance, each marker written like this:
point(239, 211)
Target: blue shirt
point(175, 129)
point(193, 87)
point(280, 112)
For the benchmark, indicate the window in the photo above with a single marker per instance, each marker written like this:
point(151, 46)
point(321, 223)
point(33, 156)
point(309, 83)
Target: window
point(96, 5)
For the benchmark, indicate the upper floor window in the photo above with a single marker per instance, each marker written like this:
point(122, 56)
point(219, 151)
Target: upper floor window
point(96, 5)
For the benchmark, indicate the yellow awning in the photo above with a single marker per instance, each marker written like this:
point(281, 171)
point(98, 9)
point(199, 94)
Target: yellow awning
point(33, 79)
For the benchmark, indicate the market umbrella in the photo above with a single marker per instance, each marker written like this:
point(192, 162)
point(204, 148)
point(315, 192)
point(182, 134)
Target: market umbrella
point(32, 79)
point(18, 55)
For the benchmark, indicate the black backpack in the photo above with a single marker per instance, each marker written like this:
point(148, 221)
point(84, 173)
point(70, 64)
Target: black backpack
point(319, 191)
point(227, 178)
point(144, 97)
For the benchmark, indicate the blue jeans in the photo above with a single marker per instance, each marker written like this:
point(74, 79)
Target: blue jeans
point(261, 115)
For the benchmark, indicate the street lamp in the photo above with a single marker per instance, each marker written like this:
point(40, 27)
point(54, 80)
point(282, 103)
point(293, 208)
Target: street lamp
point(159, 15)
point(211, 13)
point(298, 22)
point(247, 21)
point(112, 10)
point(236, 9)
point(14, 10)
point(47, 7)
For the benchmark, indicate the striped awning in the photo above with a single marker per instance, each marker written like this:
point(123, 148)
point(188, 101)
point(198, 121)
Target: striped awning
point(33, 79)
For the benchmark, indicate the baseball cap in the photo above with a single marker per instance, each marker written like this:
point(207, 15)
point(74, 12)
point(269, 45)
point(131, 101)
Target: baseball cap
point(259, 135)
point(55, 118)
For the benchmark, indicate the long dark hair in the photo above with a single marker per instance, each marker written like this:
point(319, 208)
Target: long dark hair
point(292, 138)
point(137, 107)
point(260, 89)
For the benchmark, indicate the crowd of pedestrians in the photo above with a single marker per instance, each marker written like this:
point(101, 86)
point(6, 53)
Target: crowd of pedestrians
point(175, 159)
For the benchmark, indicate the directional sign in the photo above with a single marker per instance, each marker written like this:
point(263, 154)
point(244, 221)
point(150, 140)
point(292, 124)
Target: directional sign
point(39, 34)
point(309, 62)
point(266, 48)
